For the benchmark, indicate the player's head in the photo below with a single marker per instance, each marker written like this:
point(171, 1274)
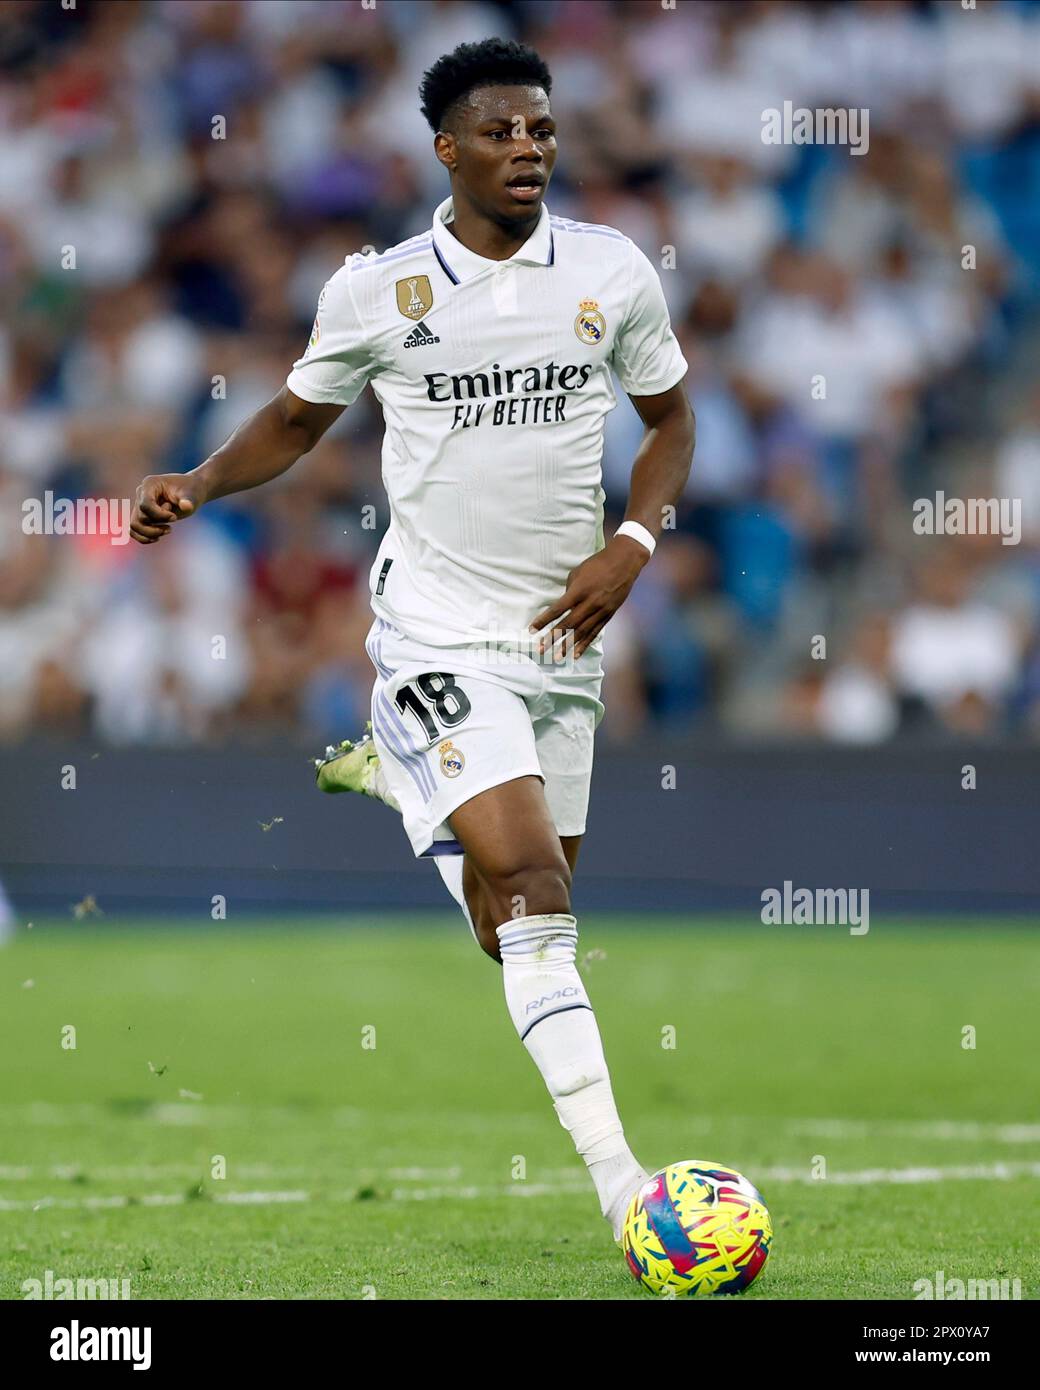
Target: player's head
point(488, 104)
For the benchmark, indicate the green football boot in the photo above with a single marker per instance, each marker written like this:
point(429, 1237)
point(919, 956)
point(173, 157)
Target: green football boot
point(354, 767)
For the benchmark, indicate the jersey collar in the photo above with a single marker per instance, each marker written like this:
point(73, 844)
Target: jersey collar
point(460, 263)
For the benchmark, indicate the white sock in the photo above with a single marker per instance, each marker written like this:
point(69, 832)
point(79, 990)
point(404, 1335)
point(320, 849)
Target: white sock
point(381, 788)
point(450, 866)
point(551, 1011)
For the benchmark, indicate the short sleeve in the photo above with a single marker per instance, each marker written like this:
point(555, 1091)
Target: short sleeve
point(338, 361)
point(646, 355)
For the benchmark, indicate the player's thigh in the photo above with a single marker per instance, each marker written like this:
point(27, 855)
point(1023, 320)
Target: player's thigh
point(507, 833)
point(542, 822)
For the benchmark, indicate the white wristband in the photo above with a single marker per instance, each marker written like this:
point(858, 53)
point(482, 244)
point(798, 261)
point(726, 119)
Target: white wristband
point(638, 533)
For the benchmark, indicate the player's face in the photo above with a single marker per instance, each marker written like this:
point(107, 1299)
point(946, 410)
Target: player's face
point(504, 149)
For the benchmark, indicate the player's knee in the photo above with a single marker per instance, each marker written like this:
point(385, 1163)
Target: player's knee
point(535, 888)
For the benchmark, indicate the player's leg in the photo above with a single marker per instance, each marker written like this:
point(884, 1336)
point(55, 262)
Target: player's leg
point(514, 862)
point(355, 766)
point(485, 782)
point(478, 899)
point(564, 733)
point(524, 876)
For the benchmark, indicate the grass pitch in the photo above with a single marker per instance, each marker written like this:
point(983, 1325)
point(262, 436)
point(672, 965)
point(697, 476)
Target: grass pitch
point(384, 1134)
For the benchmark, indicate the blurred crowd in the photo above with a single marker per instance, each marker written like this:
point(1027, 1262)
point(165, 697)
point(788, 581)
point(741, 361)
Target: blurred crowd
point(178, 179)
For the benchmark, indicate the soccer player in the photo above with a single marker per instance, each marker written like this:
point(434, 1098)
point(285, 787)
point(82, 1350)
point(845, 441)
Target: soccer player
point(489, 341)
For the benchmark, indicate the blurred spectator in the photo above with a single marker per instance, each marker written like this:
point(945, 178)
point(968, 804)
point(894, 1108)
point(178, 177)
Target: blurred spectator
point(729, 224)
point(857, 701)
point(957, 656)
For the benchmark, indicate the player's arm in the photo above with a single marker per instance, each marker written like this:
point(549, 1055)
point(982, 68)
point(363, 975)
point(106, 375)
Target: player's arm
point(662, 464)
point(329, 376)
point(263, 446)
point(598, 587)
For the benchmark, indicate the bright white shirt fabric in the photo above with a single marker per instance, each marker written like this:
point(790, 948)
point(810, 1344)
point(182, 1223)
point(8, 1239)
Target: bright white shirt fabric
point(494, 417)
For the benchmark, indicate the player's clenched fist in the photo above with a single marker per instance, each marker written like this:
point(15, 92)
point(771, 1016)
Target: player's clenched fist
point(162, 499)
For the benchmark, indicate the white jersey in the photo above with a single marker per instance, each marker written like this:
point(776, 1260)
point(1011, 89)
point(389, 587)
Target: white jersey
point(494, 378)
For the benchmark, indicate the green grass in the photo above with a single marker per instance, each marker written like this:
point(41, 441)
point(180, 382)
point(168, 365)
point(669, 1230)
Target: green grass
point(399, 1159)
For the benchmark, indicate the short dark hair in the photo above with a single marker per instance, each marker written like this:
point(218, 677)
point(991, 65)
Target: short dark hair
point(492, 63)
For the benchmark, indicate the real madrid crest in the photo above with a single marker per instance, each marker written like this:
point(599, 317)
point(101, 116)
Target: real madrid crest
point(590, 325)
point(452, 761)
point(415, 296)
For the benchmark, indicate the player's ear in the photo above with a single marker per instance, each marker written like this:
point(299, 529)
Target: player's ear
point(445, 149)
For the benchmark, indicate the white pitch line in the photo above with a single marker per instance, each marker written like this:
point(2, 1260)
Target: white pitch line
point(917, 1129)
point(201, 1113)
point(188, 1113)
point(866, 1177)
point(150, 1199)
point(139, 1172)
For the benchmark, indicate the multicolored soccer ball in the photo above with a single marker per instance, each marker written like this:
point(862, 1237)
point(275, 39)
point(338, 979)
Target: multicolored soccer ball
point(697, 1228)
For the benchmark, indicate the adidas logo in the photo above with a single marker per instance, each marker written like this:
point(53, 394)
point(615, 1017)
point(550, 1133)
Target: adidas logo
point(421, 336)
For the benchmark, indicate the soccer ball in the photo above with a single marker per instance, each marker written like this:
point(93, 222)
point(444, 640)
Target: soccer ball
point(696, 1228)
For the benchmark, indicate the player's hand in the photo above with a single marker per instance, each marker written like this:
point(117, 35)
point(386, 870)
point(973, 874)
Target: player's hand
point(596, 589)
point(162, 499)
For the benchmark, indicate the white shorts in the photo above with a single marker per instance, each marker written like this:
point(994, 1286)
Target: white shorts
point(450, 722)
